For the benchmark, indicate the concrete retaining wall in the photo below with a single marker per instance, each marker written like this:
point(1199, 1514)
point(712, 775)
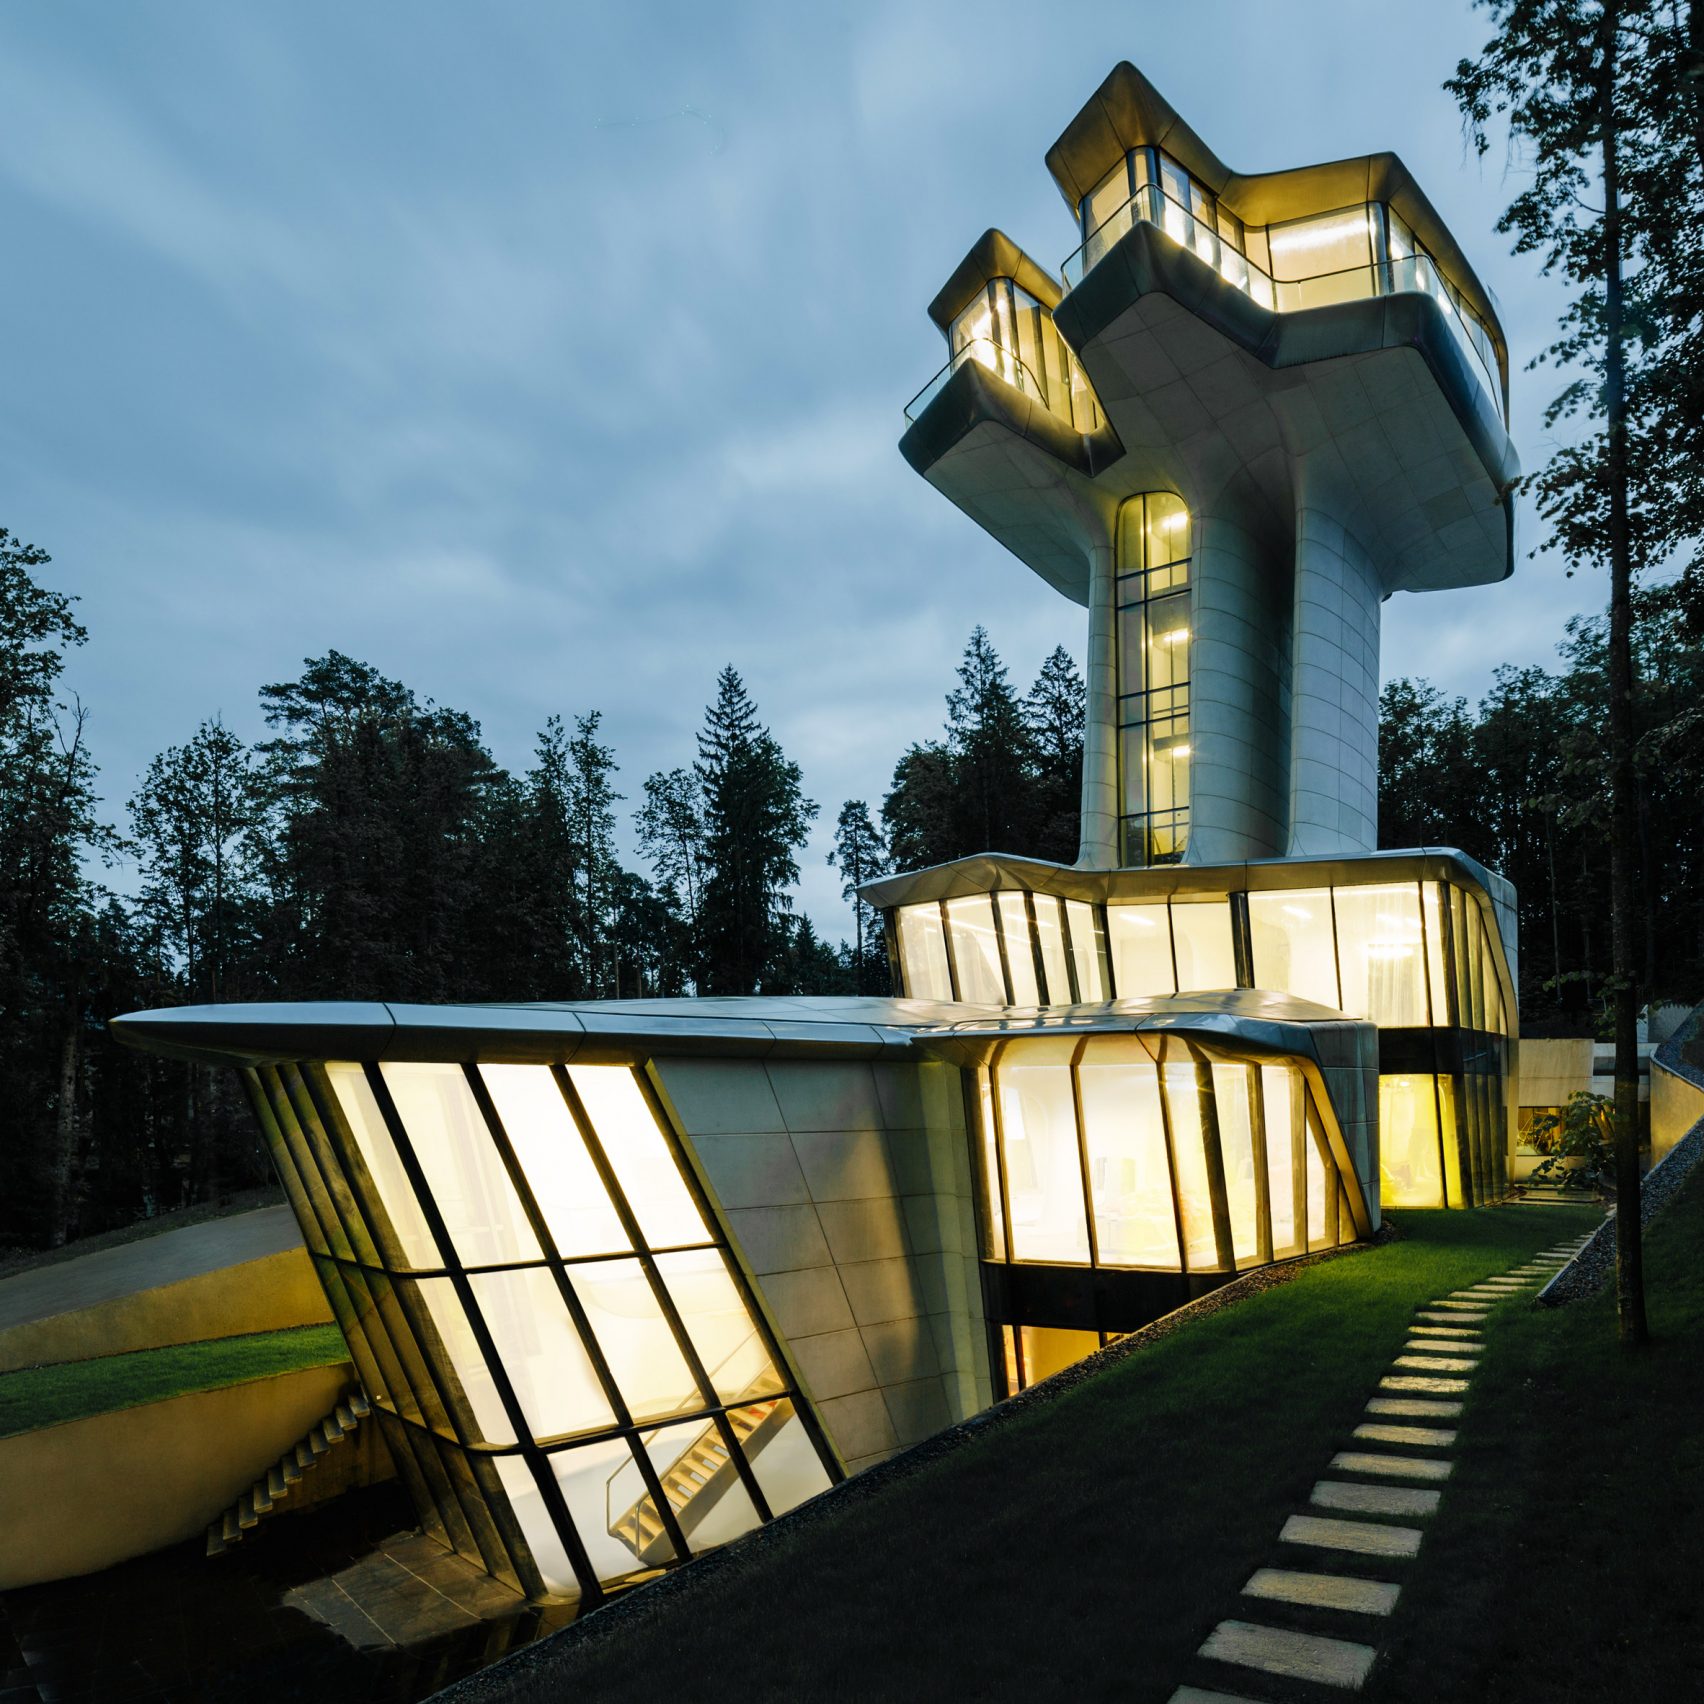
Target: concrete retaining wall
point(82, 1496)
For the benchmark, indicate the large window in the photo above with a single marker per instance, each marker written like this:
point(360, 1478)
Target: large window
point(1100, 1156)
point(567, 1366)
point(1153, 552)
point(1342, 255)
point(1008, 332)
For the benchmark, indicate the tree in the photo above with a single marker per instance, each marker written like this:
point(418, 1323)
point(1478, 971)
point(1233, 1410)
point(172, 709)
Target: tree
point(371, 840)
point(187, 823)
point(671, 835)
point(592, 816)
point(859, 855)
point(1586, 88)
point(1054, 710)
point(49, 956)
point(993, 752)
point(755, 818)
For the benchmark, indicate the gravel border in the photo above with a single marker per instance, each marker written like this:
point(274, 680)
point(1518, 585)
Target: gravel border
point(527, 1673)
point(1590, 1269)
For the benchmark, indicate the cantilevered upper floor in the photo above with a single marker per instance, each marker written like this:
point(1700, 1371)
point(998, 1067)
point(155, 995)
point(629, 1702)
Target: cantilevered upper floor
point(1299, 375)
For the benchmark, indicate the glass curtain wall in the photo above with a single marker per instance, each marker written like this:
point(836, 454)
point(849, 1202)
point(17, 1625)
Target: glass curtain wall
point(1153, 638)
point(1007, 331)
point(563, 1356)
point(1408, 956)
point(1343, 255)
point(1095, 1153)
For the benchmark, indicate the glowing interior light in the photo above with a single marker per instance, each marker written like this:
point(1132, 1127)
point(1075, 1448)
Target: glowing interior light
point(1389, 949)
point(1300, 911)
point(1173, 523)
point(1319, 233)
point(1177, 636)
point(1179, 751)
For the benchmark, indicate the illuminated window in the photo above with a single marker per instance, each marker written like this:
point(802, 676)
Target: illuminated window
point(1154, 631)
point(588, 1357)
point(1206, 953)
point(1020, 952)
point(1381, 953)
point(976, 950)
point(923, 952)
point(1008, 332)
point(1294, 951)
point(1139, 937)
point(1129, 1178)
point(1044, 1178)
point(1410, 1158)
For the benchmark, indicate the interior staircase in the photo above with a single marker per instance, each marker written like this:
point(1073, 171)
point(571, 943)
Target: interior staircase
point(274, 1487)
point(696, 1481)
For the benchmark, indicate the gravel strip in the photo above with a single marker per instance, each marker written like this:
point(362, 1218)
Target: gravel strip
point(528, 1673)
point(1594, 1265)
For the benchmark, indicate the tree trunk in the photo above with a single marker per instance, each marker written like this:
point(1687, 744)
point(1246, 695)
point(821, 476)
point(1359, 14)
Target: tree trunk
point(1624, 801)
point(64, 1138)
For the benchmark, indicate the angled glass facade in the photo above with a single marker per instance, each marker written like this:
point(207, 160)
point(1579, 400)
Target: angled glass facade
point(1115, 1167)
point(567, 1365)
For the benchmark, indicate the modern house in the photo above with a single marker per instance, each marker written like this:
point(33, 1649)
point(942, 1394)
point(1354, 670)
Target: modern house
point(624, 1279)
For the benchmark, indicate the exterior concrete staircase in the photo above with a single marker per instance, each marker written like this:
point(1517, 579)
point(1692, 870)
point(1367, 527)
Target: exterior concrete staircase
point(694, 1482)
point(266, 1494)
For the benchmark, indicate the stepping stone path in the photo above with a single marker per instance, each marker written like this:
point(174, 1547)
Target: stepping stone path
point(1367, 1515)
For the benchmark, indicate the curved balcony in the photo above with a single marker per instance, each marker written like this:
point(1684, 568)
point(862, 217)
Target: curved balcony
point(1396, 266)
point(1071, 401)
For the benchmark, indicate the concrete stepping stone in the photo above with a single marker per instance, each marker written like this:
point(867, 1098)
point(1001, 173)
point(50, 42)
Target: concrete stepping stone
point(1436, 1364)
point(1420, 1386)
point(1198, 1695)
point(1324, 1591)
point(1431, 1346)
point(1426, 1437)
point(1476, 1297)
point(1392, 1467)
point(1455, 1304)
point(1438, 1318)
point(1343, 1663)
point(1354, 1499)
point(1414, 1407)
point(1471, 1333)
point(1361, 1538)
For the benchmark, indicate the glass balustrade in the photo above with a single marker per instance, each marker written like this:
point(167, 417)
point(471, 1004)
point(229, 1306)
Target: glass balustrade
point(1008, 333)
point(1347, 255)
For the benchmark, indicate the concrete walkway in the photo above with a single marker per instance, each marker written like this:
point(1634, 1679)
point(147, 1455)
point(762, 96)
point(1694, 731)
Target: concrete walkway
point(1316, 1613)
point(111, 1273)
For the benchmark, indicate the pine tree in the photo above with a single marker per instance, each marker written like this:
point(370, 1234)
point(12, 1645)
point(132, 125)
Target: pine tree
point(993, 753)
point(860, 857)
point(1590, 89)
point(671, 835)
point(755, 819)
point(592, 802)
point(1054, 710)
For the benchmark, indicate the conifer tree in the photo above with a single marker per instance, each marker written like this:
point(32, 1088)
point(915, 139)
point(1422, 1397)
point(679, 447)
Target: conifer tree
point(859, 855)
point(755, 818)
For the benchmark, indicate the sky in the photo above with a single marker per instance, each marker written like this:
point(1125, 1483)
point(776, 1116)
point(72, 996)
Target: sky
point(549, 357)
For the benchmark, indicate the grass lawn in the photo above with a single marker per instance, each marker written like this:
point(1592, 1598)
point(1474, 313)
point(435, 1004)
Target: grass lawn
point(45, 1396)
point(1564, 1563)
point(1083, 1549)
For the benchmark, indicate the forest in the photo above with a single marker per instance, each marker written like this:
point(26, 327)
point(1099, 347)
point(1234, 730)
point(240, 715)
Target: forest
point(371, 847)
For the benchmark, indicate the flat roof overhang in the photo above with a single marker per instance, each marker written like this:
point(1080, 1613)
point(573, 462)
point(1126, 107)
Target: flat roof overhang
point(621, 1031)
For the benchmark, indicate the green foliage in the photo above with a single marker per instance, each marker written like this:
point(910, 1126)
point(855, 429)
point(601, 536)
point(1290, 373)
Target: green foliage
point(1578, 1145)
point(860, 856)
point(755, 818)
point(1006, 777)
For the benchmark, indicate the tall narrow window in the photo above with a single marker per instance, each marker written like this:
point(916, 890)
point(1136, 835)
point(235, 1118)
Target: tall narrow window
point(1154, 632)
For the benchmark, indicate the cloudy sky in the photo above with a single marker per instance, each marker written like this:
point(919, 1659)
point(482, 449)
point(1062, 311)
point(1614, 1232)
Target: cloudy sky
point(549, 356)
